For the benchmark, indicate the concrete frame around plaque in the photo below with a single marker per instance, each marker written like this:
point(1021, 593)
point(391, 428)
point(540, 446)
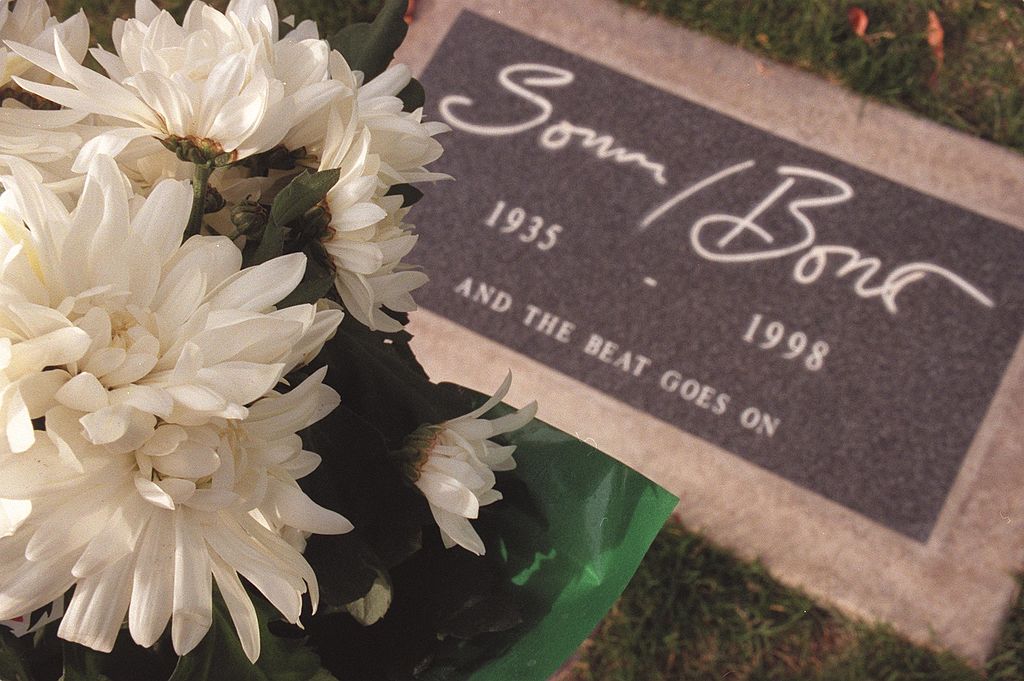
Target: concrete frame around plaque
point(952, 592)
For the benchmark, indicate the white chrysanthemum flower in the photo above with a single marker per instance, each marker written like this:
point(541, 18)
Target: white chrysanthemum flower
point(402, 141)
point(453, 465)
point(47, 139)
point(146, 532)
point(365, 238)
point(166, 458)
point(375, 145)
point(366, 241)
point(223, 82)
point(105, 311)
point(30, 23)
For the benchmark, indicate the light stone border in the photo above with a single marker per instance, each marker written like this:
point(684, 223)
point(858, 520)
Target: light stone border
point(953, 592)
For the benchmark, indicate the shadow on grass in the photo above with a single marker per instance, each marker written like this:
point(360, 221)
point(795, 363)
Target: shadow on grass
point(694, 612)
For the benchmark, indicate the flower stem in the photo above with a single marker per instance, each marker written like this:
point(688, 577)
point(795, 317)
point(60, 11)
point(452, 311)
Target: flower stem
point(200, 181)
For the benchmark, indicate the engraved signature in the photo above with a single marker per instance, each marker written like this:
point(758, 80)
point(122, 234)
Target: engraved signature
point(712, 235)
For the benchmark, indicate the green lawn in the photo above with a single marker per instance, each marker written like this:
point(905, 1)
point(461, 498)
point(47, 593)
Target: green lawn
point(979, 87)
point(693, 611)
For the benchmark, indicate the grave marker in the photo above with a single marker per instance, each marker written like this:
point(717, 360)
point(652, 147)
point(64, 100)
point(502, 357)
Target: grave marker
point(689, 289)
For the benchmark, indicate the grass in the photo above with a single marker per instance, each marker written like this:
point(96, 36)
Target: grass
point(979, 87)
point(693, 611)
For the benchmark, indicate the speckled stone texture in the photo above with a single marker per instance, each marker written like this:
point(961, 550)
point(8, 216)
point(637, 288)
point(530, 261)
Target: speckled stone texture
point(891, 483)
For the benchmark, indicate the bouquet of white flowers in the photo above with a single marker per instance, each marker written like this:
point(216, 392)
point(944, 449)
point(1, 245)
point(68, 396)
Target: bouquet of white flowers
point(203, 289)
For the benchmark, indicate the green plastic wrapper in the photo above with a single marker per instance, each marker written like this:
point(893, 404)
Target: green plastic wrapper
point(573, 553)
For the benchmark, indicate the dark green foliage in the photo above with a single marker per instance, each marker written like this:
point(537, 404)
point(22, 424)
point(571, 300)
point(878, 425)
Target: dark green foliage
point(439, 595)
point(301, 195)
point(1007, 663)
point(409, 193)
point(316, 283)
point(82, 664)
point(44, 657)
point(370, 47)
point(331, 15)
point(413, 96)
point(219, 656)
point(12, 654)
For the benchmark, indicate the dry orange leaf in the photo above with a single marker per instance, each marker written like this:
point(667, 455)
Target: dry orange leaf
point(935, 36)
point(858, 19)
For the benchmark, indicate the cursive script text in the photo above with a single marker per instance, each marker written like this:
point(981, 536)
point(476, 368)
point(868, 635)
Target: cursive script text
point(557, 136)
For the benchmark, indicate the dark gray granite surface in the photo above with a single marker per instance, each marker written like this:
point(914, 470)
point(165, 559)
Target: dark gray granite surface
point(919, 302)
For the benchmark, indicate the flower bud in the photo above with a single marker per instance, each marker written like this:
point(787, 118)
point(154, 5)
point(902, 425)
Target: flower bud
point(213, 201)
point(199, 151)
point(249, 217)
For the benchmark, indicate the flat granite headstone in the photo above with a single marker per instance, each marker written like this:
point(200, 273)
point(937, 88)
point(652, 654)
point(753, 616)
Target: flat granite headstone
point(828, 339)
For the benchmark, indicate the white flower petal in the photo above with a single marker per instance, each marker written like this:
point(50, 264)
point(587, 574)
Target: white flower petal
point(153, 493)
point(299, 511)
point(109, 143)
point(94, 94)
point(166, 99)
point(32, 585)
point(144, 398)
point(193, 585)
point(258, 288)
point(13, 512)
point(457, 530)
point(153, 581)
point(240, 607)
point(253, 562)
point(84, 392)
point(119, 427)
point(115, 541)
point(448, 493)
point(71, 526)
point(94, 617)
point(152, 476)
point(188, 460)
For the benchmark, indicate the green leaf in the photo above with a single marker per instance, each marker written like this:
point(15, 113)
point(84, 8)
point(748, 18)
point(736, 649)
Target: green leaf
point(357, 479)
point(413, 96)
point(409, 193)
point(219, 657)
point(380, 383)
point(345, 565)
point(370, 47)
point(374, 605)
point(12, 666)
point(488, 616)
point(82, 664)
point(301, 194)
point(314, 285)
